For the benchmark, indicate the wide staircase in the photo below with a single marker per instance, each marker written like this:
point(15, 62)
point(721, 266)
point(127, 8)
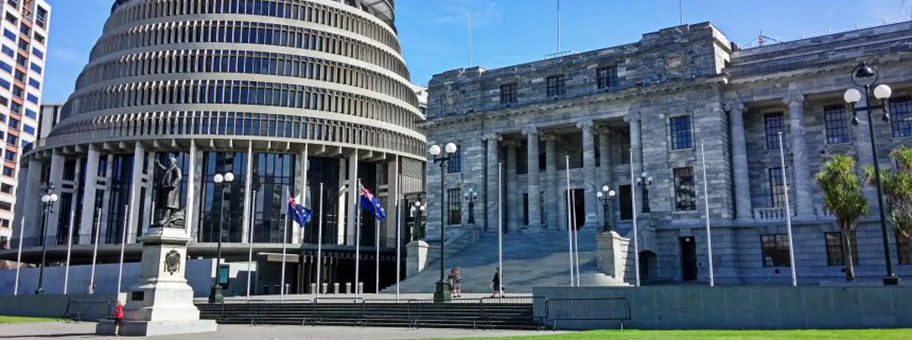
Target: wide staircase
point(532, 259)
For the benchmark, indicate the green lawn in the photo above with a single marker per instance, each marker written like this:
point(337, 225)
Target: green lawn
point(19, 319)
point(676, 335)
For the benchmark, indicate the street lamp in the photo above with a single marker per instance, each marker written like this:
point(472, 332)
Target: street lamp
point(443, 287)
point(417, 209)
point(221, 181)
point(866, 76)
point(470, 196)
point(47, 201)
point(643, 182)
point(606, 196)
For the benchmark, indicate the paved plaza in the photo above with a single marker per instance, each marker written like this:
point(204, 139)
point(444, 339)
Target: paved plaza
point(86, 330)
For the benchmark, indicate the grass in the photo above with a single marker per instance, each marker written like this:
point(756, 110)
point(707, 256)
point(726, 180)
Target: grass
point(854, 334)
point(22, 319)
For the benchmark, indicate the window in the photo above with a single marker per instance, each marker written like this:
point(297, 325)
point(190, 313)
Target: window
point(606, 77)
point(455, 163)
point(6, 67)
point(11, 18)
point(7, 171)
point(6, 206)
point(8, 51)
point(5, 83)
point(455, 206)
point(14, 123)
point(9, 34)
point(18, 91)
point(777, 189)
point(555, 85)
point(6, 188)
point(39, 38)
point(625, 202)
point(775, 250)
point(10, 156)
point(901, 116)
point(837, 130)
point(36, 52)
point(36, 68)
point(34, 83)
point(834, 248)
point(41, 17)
point(12, 140)
point(685, 194)
point(903, 248)
point(32, 98)
point(775, 123)
point(508, 93)
point(29, 113)
point(28, 129)
point(681, 136)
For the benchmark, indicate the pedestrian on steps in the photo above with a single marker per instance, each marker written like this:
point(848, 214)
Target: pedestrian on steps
point(118, 317)
point(455, 282)
point(496, 286)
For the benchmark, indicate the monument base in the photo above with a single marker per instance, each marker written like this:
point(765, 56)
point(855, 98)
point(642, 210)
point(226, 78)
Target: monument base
point(153, 328)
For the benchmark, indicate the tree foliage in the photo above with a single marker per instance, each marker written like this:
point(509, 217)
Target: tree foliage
point(843, 197)
point(897, 189)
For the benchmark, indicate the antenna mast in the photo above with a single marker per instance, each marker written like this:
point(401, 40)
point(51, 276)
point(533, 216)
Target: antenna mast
point(470, 39)
point(558, 27)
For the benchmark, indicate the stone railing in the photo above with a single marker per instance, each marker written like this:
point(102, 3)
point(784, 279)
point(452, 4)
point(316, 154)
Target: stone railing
point(823, 213)
point(770, 214)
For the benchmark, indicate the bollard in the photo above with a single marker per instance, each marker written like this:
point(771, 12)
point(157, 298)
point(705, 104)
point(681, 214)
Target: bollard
point(336, 288)
point(313, 288)
point(360, 287)
point(323, 289)
point(348, 288)
point(287, 288)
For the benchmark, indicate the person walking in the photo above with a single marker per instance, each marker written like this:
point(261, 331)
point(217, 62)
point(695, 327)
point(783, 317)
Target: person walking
point(455, 282)
point(118, 317)
point(496, 287)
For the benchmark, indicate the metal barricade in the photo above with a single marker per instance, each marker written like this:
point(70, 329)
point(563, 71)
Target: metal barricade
point(455, 312)
point(605, 309)
point(78, 310)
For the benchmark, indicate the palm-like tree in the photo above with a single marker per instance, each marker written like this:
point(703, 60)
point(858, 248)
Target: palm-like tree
point(897, 189)
point(842, 197)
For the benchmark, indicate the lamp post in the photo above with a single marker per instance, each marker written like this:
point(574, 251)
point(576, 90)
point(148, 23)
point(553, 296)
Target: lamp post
point(606, 196)
point(221, 181)
point(471, 195)
point(643, 182)
point(47, 201)
point(866, 77)
point(417, 209)
point(442, 293)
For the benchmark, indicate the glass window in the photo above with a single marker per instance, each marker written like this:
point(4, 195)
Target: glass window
point(32, 98)
point(28, 129)
point(625, 201)
point(455, 163)
point(837, 130)
point(775, 250)
point(834, 248)
point(9, 34)
point(11, 18)
point(606, 77)
point(6, 188)
point(36, 68)
point(555, 85)
point(775, 123)
point(31, 114)
point(508, 93)
point(903, 247)
point(6, 67)
point(777, 189)
point(34, 83)
point(7, 206)
point(36, 52)
point(12, 140)
point(14, 123)
point(681, 136)
point(455, 206)
point(8, 51)
point(901, 117)
point(685, 194)
point(10, 156)
point(39, 38)
point(9, 172)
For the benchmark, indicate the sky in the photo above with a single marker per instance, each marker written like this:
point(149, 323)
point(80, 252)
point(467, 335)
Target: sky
point(434, 34)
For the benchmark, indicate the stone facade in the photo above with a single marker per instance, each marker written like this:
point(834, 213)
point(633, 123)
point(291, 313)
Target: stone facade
point(650, 107)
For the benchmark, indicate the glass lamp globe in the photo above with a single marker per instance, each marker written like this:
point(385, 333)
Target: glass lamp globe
point(852, 96)
point(45, 198)
point(218, 178)
point(434, 150)
point(229, 177)
point(882, 92)
point(611, 193)
point(53, 197)
point(599, 194)
point(450, 148)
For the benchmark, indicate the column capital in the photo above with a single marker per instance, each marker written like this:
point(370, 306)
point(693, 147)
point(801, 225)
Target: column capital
point(585, 124)
point(530, 130)
point(548, 136)
point(632, 116)
point(511, 142)
point(793, 99)
point(491, 135)
point(735, 107)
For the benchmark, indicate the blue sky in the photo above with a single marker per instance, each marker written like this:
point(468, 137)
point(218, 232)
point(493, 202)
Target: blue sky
point(434, 33)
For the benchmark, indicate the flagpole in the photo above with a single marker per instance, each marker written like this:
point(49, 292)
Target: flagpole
point(250, 243)
point(284, 246)
point(499, 290)
point(576, 243)
point(358, 240)
point(636, 244)
point(19, 256)
point(123, 245)
point(66, 272)
point(95, 250)
point(399, 215)
point(377, 256)
point(320, 244)
point(569, 219)
point(305, 191)
point(709, 244)
point(788, 212)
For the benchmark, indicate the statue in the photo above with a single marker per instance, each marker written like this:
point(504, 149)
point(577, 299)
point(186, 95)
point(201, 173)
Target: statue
point(168, 200)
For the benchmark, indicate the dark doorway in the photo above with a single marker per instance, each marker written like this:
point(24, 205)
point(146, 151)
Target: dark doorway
point(688, 258)
point(578, 212)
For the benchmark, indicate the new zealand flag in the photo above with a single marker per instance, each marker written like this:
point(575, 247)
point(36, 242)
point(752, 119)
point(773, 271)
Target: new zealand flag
point(298, 212)
point(371, 203)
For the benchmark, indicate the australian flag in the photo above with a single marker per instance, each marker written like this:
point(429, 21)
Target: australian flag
point(371, 204)
point(298, 212)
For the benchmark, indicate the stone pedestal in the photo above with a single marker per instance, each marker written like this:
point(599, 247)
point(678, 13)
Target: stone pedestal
point(416, 257)
point(161, 303)
point(612, 254)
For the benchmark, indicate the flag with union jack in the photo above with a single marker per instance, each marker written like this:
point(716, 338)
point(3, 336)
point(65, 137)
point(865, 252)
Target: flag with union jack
point(371, 204)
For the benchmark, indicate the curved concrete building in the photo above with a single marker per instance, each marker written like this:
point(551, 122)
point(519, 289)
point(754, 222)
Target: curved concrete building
point(271, 91)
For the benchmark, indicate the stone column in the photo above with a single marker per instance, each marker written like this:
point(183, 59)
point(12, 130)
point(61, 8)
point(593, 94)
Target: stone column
point(511, 194)
point(605, 167)
point(493, 183)
point(802, 177)
point(637, 162)
point(351, 230)
point(139, 153)
point(392, 212)
point(535, 207)
point(589, 174)
point(56, 178)
point(743, 208)
point(552, 193)
point(189, 209)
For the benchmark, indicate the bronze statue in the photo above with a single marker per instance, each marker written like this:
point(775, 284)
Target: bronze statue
point(168, 200)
